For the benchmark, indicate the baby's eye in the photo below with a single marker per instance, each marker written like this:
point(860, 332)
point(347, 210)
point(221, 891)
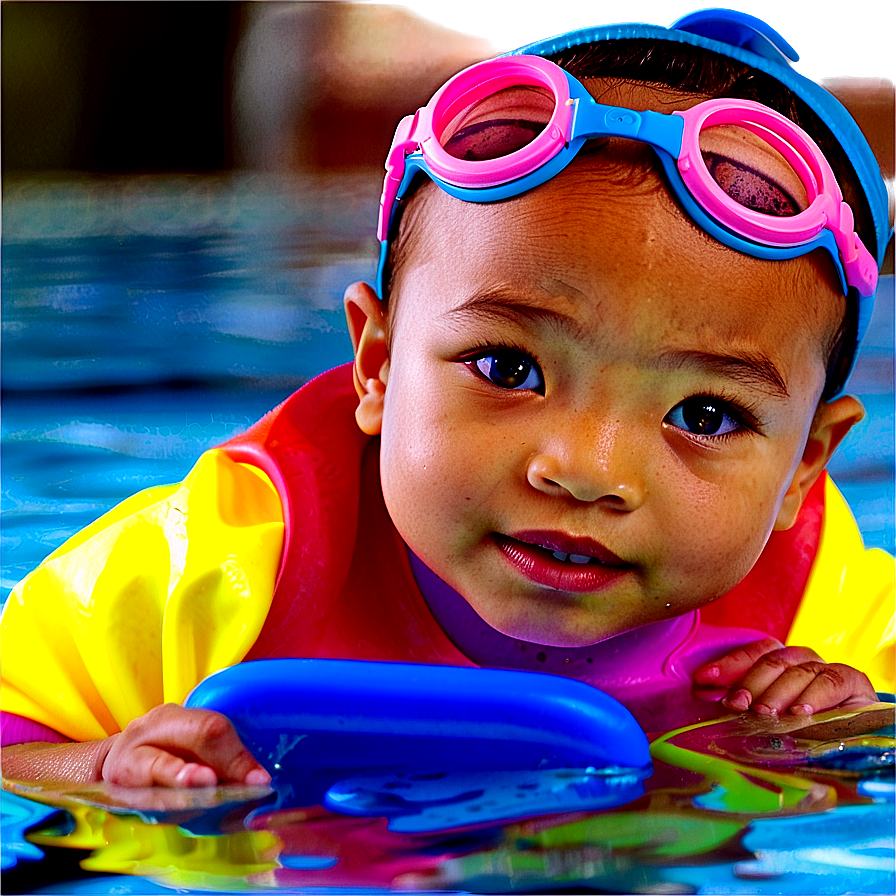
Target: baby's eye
point(509, 369)
point(705, 416)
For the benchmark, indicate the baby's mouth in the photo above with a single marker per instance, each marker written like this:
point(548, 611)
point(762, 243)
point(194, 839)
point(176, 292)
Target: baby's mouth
point(562, 562)
point(581, 559)
point(567, 548)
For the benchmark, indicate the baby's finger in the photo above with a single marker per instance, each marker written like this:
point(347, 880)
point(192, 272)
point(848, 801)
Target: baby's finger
point(729, 669)
point(216, 744)
point(149, 766)
point(788, 689)
point(766, 670)
point(835, 685)
point(711, 695)
point(189, 747)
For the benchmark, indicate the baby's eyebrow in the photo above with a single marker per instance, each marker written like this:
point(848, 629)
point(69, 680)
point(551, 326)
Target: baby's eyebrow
point(494, 304)
point(751, 368)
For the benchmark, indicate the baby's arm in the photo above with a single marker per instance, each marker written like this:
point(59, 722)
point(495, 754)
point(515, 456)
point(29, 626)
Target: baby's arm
point(169, 746)
point(123, 619)
point(772, 679)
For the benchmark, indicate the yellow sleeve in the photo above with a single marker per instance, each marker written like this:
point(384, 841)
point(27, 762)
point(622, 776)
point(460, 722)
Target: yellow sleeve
point(168, 587)
point(846, 615)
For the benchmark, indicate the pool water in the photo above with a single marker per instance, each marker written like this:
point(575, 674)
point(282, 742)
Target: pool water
point(144, 322)
point(147, 320)
point(732, 806)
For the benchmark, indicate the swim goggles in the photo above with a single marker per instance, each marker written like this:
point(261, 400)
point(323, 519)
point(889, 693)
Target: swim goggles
point(744, 173)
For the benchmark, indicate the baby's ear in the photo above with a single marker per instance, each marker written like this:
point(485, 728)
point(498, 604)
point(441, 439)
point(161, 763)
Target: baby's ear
point(367, 327)
point(833, 420)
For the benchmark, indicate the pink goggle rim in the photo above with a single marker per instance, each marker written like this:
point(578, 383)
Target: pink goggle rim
point(798, 150)
point(423, 131)
point(469, 90)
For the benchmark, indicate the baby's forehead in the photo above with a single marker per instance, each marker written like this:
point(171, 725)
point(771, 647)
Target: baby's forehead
point(641, 95)
point(605, 222)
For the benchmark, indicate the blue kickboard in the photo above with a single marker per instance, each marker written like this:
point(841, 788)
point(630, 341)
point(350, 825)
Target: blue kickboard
point(301, 717)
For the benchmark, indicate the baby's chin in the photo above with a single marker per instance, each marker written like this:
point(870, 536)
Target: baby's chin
point(566, 635)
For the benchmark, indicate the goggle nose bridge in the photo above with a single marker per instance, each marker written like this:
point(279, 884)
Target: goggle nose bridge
point(592, 119)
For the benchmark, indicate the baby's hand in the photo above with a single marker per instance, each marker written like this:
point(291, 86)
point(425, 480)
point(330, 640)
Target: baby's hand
point(172, 746)
point(771, 679)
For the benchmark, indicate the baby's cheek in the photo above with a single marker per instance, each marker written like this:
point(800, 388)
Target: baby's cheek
point(716, 545)
point(425, 492)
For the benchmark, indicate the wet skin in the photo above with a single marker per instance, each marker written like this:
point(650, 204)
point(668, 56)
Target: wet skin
point(581, 369)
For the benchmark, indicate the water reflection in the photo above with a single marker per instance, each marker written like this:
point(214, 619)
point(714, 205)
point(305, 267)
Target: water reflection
point(718, 815)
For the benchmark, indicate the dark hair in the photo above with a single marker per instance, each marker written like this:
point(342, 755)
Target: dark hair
point(690, 69)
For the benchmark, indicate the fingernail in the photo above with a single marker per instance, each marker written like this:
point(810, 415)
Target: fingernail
point(764, 710)
point(739, 700)
point(182, 778)
point(258, 777)
point(195, 775)
point(801, 709)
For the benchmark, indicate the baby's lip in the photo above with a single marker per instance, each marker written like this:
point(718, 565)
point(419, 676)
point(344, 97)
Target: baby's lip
point(570, 544)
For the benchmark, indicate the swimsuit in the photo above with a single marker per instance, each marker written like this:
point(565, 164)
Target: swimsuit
point(257, 554)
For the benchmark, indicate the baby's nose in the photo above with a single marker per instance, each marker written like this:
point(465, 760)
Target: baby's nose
point(590, 462)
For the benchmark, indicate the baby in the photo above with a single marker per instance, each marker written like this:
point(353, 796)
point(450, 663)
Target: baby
point(585, 431)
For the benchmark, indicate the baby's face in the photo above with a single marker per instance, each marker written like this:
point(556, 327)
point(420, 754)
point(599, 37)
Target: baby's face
point(594, 415)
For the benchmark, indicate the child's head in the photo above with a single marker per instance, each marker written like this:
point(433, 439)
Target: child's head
point(581, 371)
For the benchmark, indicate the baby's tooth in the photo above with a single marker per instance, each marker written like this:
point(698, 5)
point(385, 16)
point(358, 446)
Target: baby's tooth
point(560, 555)
point(579, 558)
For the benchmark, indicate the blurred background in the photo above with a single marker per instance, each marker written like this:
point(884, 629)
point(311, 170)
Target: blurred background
point(189, 187)
point(133, 87)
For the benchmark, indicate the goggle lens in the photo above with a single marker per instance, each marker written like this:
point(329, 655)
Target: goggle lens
point(498, 125)
point(751, 172)
point(492, 139)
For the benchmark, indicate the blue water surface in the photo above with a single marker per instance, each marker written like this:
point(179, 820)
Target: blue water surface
point(147, 320)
